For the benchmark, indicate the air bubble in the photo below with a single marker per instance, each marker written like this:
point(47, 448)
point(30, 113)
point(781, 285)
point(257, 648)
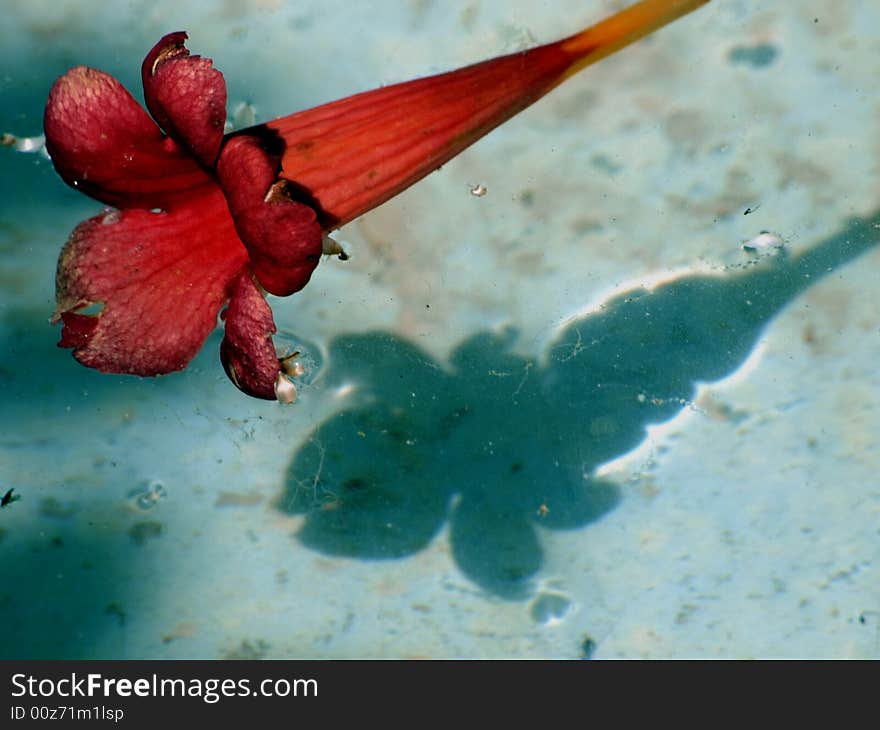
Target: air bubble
point(765, 243)
point(550, 609)
point(305, 367)
point(149, 496)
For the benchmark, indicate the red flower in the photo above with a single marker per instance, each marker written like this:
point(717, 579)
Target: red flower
point(200, 219)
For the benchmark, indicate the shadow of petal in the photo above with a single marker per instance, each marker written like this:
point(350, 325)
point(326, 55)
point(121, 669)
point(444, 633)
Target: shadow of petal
point(496, 547)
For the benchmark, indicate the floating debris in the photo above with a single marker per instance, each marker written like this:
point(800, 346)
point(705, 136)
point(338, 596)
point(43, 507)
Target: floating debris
point(478, 191)
point(149, 497)
point(765, 243)
point(588, 647)
point(24, 144)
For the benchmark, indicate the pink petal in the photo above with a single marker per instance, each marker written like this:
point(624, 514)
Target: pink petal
point(282, 236)
point(158, 278)
point(103, 143)
point(186, 95)
point(247, 352)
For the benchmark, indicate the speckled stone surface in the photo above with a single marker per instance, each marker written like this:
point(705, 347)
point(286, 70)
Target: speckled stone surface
point(570, 417)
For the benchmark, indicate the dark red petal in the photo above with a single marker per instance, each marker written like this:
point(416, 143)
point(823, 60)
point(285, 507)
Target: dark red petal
point(349, 156)
point(282, 236)
point(103, 143)
point(186, 95)
point(247, 352)
point(159, 280)
point(78, 330)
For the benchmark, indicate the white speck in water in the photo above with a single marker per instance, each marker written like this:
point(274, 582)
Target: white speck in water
point(24, 144)
point(478, 191)
point(765, 243)
point(244, 115)
point(344, 390)
point(30, 144)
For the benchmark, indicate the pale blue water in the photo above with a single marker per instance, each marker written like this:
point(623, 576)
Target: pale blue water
point(572, 417)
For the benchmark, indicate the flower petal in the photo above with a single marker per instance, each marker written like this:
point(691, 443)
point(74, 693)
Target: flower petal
point(103, 143)
point(158, 278)
point(282, 236)
point(186, 95)
point(247, 352)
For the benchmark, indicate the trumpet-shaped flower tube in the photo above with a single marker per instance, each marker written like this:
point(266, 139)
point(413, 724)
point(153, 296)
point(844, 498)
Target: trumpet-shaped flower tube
point(200, 219)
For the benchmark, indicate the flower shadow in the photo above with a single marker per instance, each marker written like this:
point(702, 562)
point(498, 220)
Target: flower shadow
point(498, 443)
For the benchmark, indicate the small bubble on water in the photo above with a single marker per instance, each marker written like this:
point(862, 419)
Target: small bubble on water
point(304, 368)
point(149, 496)
point(765, 243)
point(549, 609)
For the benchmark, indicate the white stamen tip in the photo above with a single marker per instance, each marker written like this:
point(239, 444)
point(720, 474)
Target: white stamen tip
point(285, 390)
point(332, 247)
